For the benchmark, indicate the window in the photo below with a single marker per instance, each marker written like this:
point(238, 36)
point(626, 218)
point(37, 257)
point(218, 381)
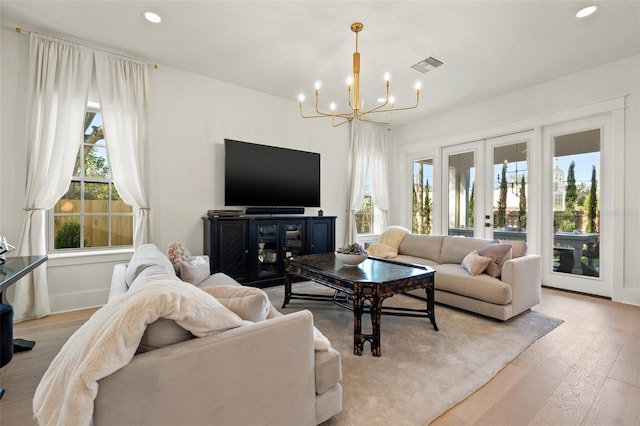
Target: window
point(364, 216)
point(91, 214)
point(422, 189)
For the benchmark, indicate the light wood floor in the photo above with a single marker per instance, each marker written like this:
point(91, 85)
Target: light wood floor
point(585, 372)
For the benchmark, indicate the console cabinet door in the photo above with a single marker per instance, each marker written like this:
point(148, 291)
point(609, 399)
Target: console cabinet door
point(232, 248)
point(322, 235)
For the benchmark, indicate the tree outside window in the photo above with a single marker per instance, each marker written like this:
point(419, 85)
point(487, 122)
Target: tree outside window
point(422, 191)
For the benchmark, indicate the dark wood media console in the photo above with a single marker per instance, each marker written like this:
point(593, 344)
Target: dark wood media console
point(252, 248)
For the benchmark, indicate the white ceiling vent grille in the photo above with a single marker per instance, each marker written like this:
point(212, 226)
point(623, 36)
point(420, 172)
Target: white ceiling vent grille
point(427, 65)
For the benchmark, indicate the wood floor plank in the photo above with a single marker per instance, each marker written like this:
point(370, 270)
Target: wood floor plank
point(572, 399)
point(523, 401)
point(471, 409)
point(616, 404)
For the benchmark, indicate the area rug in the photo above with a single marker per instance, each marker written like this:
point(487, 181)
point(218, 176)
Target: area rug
point(422, 373)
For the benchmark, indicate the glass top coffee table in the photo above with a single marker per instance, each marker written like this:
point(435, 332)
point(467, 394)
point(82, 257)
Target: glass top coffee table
point(362, 288)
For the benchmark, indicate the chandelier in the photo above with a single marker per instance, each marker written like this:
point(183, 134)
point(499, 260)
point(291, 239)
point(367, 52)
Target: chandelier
point(353, 94)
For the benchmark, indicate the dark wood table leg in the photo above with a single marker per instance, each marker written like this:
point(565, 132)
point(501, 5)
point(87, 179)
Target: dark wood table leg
point(358, 338)
point(431, 305)
point(376, 316)
point(287, 288)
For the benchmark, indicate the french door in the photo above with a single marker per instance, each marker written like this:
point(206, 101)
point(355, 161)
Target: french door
point(487, 186)
point(576, 238)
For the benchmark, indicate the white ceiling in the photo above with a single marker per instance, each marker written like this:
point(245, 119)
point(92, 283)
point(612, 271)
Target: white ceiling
point(282, 48)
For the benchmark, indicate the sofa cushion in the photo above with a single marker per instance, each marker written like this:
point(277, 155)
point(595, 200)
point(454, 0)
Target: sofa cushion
point(498, 253)
point(328, 369)
point(249, 303)
point(146, 255)
point(518, 247)
point(455, 279)
point(153, 273)
point(415, 260)
point(454, 249)
point(474, 263)
point(382, 250)
point(422, 246)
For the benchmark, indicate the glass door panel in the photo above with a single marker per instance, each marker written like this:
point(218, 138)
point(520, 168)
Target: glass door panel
point(293, 238)
point(576, 245)
point(509, 187)
point(267, 249)
point(461, 193)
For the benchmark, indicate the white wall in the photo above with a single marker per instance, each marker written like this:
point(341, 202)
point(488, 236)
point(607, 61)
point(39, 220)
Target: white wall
point(189, 117)
point(525, 109)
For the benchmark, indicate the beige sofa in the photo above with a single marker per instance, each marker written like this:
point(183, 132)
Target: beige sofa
point(265, 373)
point(516, 290)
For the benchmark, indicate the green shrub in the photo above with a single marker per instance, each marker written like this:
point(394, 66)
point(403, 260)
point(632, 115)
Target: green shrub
point(68, 236)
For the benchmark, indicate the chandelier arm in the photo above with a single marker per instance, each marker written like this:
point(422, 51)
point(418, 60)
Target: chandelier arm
point(341, 123)
point(399, 109)
point(366, 120)
point(377, 109)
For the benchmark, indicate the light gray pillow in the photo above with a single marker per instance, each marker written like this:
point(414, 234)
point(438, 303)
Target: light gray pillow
point(194, 270)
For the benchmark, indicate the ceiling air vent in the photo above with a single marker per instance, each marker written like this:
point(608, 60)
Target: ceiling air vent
point(427, 64)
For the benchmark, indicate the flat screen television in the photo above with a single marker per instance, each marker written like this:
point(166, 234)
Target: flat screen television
point(270, 176)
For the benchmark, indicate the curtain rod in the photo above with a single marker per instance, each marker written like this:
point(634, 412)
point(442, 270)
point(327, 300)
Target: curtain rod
point(26, 32)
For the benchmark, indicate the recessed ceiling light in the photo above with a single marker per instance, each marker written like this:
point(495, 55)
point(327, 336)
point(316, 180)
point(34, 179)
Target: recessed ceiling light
point(152, 17)
point(586, 11)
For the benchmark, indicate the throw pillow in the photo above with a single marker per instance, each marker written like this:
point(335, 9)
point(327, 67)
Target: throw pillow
point(194, 270)
point(393, 235)
point(474, 263)
point(249, 303)
point(381, 250)
point(498, 253)
point(176, 252)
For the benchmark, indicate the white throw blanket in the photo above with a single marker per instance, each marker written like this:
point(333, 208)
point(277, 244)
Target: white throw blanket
point(108, 342)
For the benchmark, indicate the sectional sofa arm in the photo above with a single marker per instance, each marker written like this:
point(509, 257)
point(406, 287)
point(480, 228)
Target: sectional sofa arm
point(524, 274)
point(261, 373)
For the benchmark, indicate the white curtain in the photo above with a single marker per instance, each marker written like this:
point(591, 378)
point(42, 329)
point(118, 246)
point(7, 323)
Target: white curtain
point(377, 138)
point(58, 86)
point(122, 87)
point(368, 145)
